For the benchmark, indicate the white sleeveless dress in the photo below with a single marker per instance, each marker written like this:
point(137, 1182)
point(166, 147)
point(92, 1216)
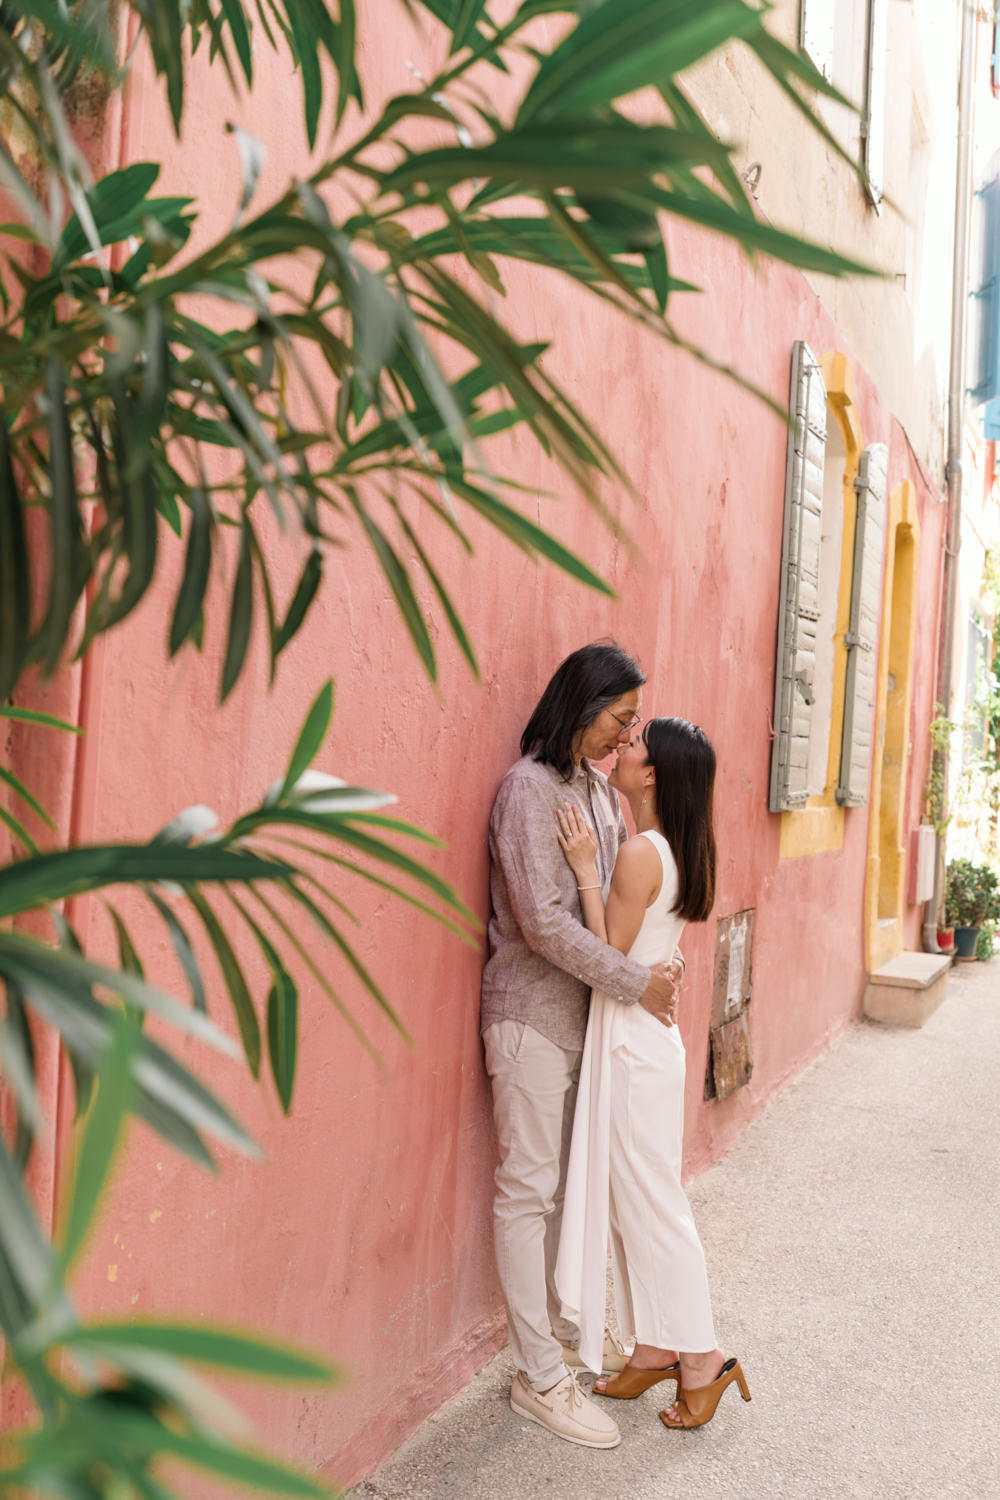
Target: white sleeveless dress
point(624, 1171)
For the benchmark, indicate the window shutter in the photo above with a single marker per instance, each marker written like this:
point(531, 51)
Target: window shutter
point(799, 595)
point(984, 329)
point(816, 19)
point(873, 127)
point(862, 634)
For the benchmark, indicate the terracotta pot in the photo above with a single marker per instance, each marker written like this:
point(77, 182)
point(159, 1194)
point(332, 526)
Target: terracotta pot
point(966, 939)
point(946, 939)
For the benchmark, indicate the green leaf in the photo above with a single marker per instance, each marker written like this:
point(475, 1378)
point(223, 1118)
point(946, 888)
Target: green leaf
point(282, 1035)
point(659, 275)
point(33, 716)
point(282, 1012)
point(240, 614)
point(197, 563)
point(620, 46)
point(183, 949)
point(757, 235)
point(69, 564)
point(226, 1348)
point(305, 593)
point(127, 956)
point(331, 931)
point(143, 1436)
point(46, 878)
point(46, 974)
point(18, 829)
point(17, 1053)
point(113, 199)
point(526, 535)
point(18, 786)
point(115, 1092)
point(15, 574)
point(593, 156)
point(311, 737)
point(306, 55)
point(239, 994)
point(457, 628)
point(399, 582)
point(25, 1256)
point(343, 827)
point(233, 12)
point(385, 885)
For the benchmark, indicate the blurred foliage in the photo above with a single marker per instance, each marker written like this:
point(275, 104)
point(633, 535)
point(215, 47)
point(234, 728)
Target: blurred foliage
point(128, 1397)
point(207, 392)
point(972, 894)
point(986, 942)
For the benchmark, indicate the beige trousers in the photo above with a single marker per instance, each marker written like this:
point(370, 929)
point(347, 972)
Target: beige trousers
point(534, 1097)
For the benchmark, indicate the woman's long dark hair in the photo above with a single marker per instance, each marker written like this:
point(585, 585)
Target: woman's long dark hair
point(684, 761)
point(586, 683)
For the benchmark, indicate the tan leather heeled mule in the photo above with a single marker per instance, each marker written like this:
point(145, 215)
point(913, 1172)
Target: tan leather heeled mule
point(697, 1407)
point(632, 1382)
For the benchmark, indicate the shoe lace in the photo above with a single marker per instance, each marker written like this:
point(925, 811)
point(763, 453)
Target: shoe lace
point(574, 1395)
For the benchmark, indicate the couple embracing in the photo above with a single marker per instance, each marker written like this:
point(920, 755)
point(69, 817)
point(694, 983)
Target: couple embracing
point(587, 1065)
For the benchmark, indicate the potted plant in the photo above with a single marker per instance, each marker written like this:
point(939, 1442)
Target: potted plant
point(946, 939)
point(972, 897)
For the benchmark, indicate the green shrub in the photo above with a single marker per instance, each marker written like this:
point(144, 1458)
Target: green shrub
point(972, 894)
point(986, 945)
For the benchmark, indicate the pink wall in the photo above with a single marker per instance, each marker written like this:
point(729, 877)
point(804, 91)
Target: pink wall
point(367, 1233)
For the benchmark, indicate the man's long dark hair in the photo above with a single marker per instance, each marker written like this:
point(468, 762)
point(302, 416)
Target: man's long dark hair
point(684, 761)
point(587, 682)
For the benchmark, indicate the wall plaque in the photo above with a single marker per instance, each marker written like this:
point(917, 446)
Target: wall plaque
point(730, 1060)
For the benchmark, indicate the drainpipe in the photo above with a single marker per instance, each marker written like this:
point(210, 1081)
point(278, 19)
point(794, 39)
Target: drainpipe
point(956, 419)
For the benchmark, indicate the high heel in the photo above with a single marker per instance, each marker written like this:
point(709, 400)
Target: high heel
point(695, 1408)
point(632, 1382)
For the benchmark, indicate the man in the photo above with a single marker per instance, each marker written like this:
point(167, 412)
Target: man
point(536, 990)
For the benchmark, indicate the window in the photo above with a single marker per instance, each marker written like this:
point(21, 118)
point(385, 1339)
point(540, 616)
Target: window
point(873, 126)
point(816, 27)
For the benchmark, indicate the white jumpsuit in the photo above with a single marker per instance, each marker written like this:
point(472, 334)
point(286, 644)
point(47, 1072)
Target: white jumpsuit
point(625, 1169)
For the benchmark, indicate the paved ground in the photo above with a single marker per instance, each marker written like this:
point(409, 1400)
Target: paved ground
point(853, 1241)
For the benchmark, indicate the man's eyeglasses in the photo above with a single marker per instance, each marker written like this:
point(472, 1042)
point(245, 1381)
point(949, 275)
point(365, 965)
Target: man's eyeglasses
point(630, 724)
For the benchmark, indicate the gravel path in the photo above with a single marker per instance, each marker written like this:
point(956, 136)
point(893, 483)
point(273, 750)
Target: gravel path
point(853, 1242)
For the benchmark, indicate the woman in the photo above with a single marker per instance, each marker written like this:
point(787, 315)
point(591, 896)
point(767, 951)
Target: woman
point(625, 1159)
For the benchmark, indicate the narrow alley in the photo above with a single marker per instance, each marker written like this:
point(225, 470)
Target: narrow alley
point(852, 1245)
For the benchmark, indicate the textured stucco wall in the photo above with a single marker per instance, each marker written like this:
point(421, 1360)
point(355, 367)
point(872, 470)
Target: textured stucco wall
point(899, 328)
point(367, 1233)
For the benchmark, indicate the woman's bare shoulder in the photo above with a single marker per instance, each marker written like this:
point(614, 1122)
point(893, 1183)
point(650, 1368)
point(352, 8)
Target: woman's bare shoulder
point(637, 857)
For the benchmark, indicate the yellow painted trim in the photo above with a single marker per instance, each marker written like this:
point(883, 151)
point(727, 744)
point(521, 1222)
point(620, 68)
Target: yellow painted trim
point(885, 886)
point(813, 829)
point(819, 826)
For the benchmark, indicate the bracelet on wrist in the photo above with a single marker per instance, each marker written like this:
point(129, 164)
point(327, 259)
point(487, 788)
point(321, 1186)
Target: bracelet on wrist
point(588, 887)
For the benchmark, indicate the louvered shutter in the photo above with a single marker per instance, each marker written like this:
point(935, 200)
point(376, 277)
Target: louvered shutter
point(862, 634)
point(799, 594)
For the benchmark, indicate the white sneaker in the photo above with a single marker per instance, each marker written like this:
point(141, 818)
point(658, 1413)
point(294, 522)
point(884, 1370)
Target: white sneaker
point(614, 1357)
point(566, 1412)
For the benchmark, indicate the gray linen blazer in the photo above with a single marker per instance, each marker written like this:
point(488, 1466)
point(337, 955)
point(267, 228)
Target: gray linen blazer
point(543, 962)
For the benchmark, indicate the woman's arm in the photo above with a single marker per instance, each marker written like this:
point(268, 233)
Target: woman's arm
point(636, 880)
point(580, 848)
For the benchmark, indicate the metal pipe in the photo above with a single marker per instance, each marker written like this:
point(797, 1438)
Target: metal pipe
point(956, 418)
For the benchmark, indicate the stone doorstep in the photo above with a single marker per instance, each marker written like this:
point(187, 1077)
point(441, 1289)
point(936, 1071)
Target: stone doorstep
point(908, 989)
